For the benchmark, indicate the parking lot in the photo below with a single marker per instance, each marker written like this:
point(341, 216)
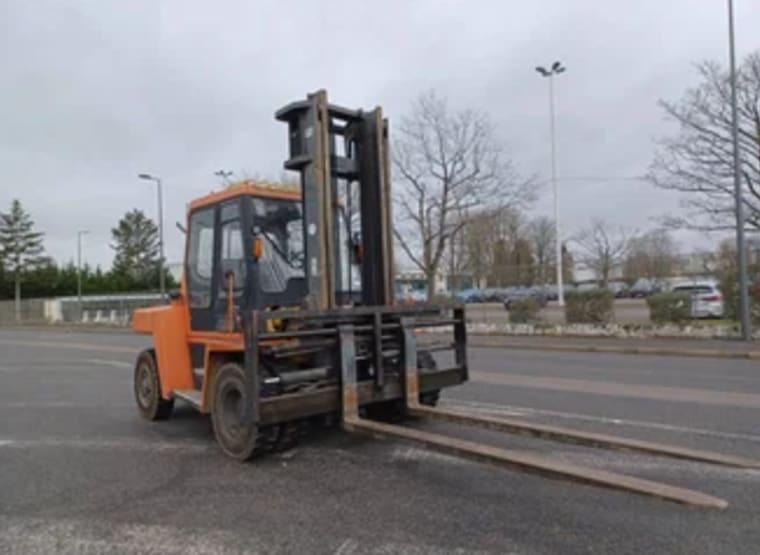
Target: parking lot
point(82, 473)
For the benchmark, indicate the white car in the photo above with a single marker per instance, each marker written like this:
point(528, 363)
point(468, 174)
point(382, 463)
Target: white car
point(706, 299)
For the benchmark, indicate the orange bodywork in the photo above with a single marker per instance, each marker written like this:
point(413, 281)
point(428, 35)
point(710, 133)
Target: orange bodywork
point(172, 338)
point(170, 325)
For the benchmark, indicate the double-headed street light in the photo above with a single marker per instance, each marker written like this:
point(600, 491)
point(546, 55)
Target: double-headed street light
point(555, 69)
point(157, 181)
point(224, 175)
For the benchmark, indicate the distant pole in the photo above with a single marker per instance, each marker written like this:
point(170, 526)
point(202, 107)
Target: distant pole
point(224, 175)
point(556, 69)
point(741, 248)
point(161, 277)
point(79, 268)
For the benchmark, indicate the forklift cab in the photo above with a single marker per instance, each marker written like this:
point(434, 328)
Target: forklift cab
point(246, 250)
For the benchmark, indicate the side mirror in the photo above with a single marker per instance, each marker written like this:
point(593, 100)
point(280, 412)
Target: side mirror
point(257, 247)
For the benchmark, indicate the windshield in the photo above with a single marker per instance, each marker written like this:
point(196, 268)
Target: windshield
point(280, 225)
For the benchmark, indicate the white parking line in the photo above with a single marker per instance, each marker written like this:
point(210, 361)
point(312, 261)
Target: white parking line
point(68, 535)
point(510, 410)
point(49, 535)
point(130, 444)
point(108, 362)
point(105, 404)
point(66, 366)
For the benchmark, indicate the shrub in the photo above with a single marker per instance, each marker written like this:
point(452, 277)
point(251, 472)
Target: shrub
point(669, 307)
point(589, 307)
point(441, 298)
point(522, 311)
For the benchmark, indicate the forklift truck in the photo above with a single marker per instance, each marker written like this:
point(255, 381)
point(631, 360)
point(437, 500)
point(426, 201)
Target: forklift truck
point(286, 314)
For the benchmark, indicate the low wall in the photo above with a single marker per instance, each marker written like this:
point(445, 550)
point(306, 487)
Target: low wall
point(114, 310)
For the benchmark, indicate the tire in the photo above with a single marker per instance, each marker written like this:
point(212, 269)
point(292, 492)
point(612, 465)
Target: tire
point(147, 388)
point(236, 440)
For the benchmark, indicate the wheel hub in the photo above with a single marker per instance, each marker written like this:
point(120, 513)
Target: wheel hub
point(145, 386)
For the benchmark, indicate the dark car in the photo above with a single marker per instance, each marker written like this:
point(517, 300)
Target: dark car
point(619, 288)
point(526, 293)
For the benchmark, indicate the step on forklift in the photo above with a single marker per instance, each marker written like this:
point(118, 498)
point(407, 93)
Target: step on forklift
point(286, 314)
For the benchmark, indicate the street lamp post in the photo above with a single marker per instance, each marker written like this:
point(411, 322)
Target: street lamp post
point(161, 277)
point(224, 175)
point(741, 249)
point(79, 268)
point(556, 69)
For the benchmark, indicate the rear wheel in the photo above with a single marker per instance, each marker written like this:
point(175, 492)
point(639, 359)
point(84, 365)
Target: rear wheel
point(147, 388)
point(238, 440)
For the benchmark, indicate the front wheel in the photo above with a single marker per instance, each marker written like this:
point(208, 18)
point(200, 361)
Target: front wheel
point(147, 388)
point(236, 439)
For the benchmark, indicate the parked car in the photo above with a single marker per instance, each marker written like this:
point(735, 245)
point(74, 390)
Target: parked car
point(526, 293)
point(618, 288)
point(642, 288)
point(492, 295)
point(706, 299)
point(470, 296)
point(551, 291)
point(587, 286)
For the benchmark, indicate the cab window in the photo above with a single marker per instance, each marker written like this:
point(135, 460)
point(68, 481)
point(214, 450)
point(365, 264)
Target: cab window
point(232, 257)
point(200, 258)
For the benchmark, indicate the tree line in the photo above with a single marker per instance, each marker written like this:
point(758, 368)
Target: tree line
point(503, 247)
point(26, 270)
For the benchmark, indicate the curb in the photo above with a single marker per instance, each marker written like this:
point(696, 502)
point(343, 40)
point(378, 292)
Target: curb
point(704, 353)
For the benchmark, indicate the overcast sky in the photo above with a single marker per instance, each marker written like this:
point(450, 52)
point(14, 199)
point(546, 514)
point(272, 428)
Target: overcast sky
point(92, 95)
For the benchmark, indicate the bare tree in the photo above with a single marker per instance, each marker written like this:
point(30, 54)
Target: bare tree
point(602, 248)
point(543, 239)
point(651, 255)
point(698, 160)
point(512, 261)
point(479, 236)
point(446, 163)
point(456, 256)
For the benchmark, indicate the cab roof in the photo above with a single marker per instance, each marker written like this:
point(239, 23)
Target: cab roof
point(250, 187)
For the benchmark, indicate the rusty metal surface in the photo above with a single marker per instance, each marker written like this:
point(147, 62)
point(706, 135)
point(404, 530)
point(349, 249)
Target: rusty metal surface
point(328, 399)
point(536, 464)
point(577, 437)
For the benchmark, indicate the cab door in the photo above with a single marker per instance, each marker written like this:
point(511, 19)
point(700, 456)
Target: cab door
point(216, 265)
point(199, 268)
point(231, 266)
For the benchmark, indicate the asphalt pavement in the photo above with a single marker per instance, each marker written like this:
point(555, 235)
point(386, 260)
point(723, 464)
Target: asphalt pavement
point(729, 348)
point(80, 472)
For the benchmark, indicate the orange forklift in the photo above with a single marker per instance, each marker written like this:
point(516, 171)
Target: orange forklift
point(286, 314)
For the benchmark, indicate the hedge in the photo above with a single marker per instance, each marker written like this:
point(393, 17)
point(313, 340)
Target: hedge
point(669, 307)
point(522, 311)
point(589, 307)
